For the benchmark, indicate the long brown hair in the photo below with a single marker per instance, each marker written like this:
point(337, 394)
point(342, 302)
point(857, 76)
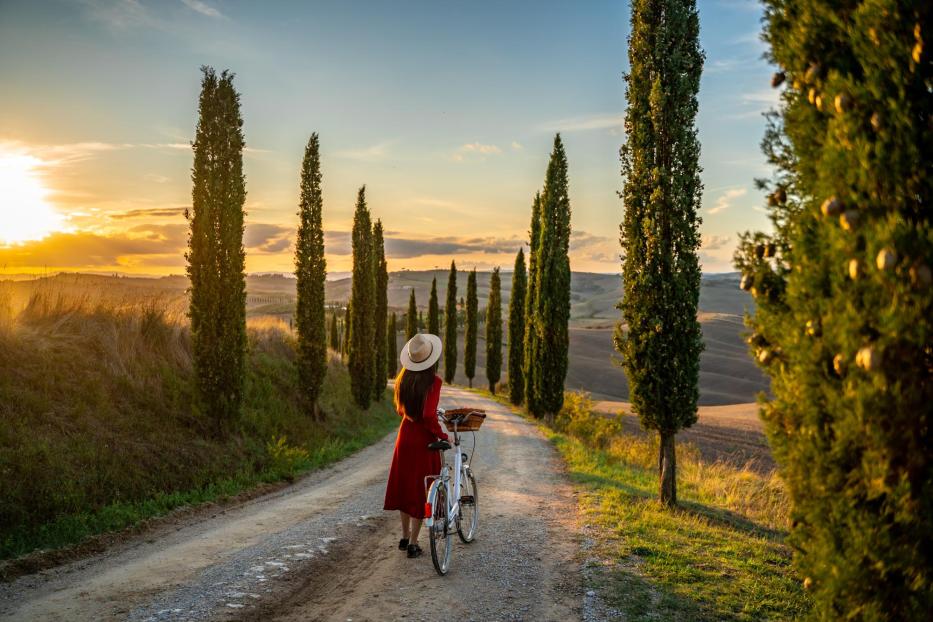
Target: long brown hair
point(411, 389)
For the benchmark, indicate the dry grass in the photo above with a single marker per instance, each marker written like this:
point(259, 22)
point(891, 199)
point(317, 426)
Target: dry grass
point(99, 417)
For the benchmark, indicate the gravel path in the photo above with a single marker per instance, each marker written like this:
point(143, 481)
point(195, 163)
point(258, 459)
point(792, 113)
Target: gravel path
point(323, 549)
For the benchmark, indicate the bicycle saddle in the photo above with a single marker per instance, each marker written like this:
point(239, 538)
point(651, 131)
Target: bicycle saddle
point(439, 445)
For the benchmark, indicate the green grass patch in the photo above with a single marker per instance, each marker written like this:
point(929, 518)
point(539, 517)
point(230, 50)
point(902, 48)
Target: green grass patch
point(720, 555)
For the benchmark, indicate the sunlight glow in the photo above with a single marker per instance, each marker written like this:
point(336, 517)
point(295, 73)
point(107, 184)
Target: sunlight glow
point(25, 214)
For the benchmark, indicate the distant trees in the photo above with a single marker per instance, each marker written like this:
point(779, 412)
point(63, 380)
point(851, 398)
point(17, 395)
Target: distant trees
point(450, 327)
point(843, 321)
point(311, 273)
point(549, 310)
point(334, 332)
point(494, 331)
point(469, 340)
point(362, 303)
point(434, 314)
point(346, 330)
point(517, 330)
point(412, 316)
point(530, 346)
point(216, 258)
point(380, 312)
point(392, 348)
point(659, 336)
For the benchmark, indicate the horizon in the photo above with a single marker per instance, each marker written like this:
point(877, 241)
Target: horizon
point(449, 126)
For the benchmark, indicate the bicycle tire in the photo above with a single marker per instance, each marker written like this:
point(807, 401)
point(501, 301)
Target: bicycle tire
point(468, 489)
point(441, 543)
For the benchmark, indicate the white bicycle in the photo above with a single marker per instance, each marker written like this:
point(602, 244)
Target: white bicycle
point(452, 501)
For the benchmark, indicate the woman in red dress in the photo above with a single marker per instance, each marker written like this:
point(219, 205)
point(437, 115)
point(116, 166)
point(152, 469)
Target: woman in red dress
point(417, 393)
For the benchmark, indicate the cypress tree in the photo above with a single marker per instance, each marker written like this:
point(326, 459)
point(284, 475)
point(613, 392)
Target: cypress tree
point(392, 348)
point(494, 331)
point(434, 313)
point(311, 273)
point(216, 258)
point(334, 333)
point(843, 300)
point(517, 330)
point(469, 345)
point(362, 302)
point(450, 328)
point(346, 330)
point(530, 347)
point(381, 312)
point(411, 328)
point(552, 288)
point(659, 337)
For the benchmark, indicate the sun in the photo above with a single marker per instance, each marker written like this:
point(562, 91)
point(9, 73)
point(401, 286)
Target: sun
point(25, 213)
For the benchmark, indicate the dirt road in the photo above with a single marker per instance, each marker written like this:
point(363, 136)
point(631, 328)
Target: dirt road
point(323, 549)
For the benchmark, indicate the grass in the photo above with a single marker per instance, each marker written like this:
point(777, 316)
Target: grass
point(720, 555)
point(99, 429)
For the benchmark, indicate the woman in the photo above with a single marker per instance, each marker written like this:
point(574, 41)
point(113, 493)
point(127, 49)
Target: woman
point(417, 393)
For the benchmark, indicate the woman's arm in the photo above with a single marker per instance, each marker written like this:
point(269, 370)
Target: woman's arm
point(430, 410)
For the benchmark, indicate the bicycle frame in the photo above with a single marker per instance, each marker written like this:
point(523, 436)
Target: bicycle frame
point(453, 509)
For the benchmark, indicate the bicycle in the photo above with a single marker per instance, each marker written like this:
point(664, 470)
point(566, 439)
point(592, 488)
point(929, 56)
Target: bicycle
point(441, 512)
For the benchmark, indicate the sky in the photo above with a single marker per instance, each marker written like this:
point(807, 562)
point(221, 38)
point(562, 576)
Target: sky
point(445, 111)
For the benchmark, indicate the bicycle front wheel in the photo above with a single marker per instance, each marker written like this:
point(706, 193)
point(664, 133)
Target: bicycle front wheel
point(469, 508)
point(441, 542)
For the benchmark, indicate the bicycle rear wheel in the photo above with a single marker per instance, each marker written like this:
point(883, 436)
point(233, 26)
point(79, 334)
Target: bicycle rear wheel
point(469, 508)
point(441, 542)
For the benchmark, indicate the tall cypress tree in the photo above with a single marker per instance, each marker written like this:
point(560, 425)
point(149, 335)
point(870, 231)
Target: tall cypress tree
point(434, 312)
point(659, 337)
point(392, 348)
point(450, 326)
point(334, 332)
point(381, 312)
point(411, 328)
point(494, 331)
point(552, 289)
point(530, 347)
point(517, 330)
point(311, 273)
point(346, 330)
point(362, 302)
point(469, 339)
point(844, 308)
point(216, 258)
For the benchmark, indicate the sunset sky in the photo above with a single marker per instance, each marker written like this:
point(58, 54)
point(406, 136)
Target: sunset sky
point(446, 111)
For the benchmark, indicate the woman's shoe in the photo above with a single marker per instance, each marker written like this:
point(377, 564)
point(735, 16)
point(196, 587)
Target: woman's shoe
point(414, 551)
point(403, 544)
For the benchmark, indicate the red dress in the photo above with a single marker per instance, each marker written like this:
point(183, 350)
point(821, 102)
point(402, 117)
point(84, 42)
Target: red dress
point(412, 460)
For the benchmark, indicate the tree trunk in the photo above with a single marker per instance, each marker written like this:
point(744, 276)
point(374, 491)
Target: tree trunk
point(667, 465)
point(471, 382)
point(492, 388)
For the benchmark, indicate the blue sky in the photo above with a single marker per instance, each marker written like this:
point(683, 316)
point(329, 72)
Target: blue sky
point(446, 111)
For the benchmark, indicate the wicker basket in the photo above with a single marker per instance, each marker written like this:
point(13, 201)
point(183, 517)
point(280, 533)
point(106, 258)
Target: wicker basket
point(470, 423)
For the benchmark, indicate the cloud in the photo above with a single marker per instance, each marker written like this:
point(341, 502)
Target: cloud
point(372, 153)
point(589, 247)
point(85, 249)
point(715, 242)
point(403, 247)
point(267, 238)
point(477, 148)
point(586, 123)
point(159, 179)
point(517, 146)
point(151, 212)
point(724, 201)
point(203, 8)
point(120, 14)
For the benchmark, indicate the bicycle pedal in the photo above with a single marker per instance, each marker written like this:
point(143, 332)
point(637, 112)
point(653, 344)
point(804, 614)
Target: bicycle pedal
point(467, 500)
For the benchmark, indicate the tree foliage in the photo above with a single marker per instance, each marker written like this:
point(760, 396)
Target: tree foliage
point(494, 331)
point(659, 337)
point(843, 300)
point(517, 330)
point(380, 312)
point(311, 273)
point(530, 347)
point(392, 348)
point(334, 332)
point(411, 328)
point(450, 326)
point(216, 258)
point(362, 302)
point(469, 340)
point(434, 313)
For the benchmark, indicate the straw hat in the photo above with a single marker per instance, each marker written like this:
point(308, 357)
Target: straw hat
point(421, 352)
